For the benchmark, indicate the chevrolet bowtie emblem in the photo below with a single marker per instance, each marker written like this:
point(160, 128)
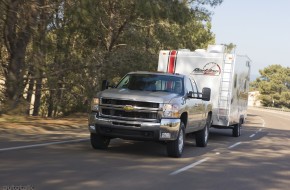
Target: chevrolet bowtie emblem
point(128, 108)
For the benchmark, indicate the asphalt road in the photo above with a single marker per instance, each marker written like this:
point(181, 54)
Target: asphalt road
point(259, 159)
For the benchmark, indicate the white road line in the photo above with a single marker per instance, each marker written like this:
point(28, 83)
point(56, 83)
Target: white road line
point(234, 145)
point(264, 123)
point(189, 166)
point(252, 135)
point(42, 144)
point(263, 126)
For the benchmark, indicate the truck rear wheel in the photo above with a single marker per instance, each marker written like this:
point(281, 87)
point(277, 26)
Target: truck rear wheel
point(99, 142)
point(237, 129)
point(175, 148)
point(201, 137)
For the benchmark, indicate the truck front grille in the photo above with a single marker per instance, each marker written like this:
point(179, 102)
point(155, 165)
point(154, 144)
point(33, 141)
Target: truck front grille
point(140, 111)
point(129, 102)
point(121, 113)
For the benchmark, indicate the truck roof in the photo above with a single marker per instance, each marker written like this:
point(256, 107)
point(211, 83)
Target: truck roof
point(157, 73)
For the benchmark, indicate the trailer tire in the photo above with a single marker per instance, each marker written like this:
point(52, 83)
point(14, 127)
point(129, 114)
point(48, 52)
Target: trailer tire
point(175, 148)
point(99, 141)
point(201, 137)
point(237, 129)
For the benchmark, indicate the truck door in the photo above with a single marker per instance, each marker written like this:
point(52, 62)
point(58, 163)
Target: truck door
point(200, 106)
point(192, 107)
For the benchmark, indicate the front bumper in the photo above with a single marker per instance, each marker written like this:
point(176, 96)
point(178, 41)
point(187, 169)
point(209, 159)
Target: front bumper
point(166, 130)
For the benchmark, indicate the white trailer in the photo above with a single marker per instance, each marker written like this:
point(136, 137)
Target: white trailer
point(226, 73)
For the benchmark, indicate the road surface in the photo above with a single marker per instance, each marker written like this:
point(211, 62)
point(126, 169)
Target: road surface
point(259, 159)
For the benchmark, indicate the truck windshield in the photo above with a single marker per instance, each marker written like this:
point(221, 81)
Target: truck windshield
point(152, 82)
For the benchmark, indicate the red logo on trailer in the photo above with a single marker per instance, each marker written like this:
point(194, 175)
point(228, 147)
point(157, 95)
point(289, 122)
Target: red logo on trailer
point(210, 68)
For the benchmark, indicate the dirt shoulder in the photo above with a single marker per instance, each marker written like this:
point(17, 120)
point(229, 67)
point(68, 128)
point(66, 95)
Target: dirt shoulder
point(17, 131)
point(38, 125)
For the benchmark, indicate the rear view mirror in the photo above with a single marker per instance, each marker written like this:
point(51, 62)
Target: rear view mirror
point(206, 92)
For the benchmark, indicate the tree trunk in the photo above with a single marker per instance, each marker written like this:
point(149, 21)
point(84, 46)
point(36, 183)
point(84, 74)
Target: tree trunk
point(40, 61)
point(29, 95)
point(17, 34)
point(14, 76)
point(50, 104)
point(37, 97)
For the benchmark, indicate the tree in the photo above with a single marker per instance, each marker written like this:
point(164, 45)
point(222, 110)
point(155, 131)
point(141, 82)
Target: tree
point(58, 51)
point(19, 22)
point(273, 85)
point(230, 47)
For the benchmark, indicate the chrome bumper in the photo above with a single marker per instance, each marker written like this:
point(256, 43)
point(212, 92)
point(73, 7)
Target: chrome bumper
point(167, 129)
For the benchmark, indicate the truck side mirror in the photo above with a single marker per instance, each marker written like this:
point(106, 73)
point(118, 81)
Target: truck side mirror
point(206, 94)
point(191, 94)
point(105, 85)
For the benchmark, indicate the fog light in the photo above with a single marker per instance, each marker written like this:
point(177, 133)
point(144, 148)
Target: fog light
point(165, 135)
point(92, 127)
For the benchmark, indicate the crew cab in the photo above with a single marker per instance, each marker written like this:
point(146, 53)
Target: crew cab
point(151, 106)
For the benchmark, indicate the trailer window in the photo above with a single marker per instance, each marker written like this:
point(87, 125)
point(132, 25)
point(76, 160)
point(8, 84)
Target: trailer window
point(245, 86)
point(235, 81)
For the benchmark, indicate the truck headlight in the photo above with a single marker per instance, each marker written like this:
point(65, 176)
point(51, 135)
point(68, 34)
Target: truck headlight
point(95, 104)
point(170, 110)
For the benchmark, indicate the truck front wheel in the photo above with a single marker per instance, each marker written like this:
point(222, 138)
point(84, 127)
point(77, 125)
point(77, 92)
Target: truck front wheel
point(99, 142)
point(175, 148)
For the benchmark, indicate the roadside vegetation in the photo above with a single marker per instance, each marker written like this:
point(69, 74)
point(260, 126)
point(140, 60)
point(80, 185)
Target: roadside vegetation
point(274, 86)
point(55, 53)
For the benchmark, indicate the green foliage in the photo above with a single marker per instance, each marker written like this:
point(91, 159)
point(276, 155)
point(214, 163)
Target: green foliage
point(74, 45)
point(274, 86)
point(230, 47)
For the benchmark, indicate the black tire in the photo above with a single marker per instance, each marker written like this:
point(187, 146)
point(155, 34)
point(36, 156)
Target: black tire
point(243, 121)
point(237, 129)
point(201, 137)
point(175, 148)
point(99, 142)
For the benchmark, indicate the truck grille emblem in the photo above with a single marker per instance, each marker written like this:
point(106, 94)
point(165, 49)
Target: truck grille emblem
point(128, 108)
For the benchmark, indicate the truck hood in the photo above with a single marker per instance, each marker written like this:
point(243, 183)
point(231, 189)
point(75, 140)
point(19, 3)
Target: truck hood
point(136, 95)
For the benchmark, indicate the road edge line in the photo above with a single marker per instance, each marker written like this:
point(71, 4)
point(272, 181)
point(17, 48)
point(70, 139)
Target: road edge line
point(189, 166)
point(42, 144)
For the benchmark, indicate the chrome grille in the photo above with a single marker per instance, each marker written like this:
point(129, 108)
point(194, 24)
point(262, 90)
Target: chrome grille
point(129, 102)
point(140, 111)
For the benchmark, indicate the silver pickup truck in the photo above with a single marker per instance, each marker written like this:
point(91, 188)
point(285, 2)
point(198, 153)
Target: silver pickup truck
point(151, 106)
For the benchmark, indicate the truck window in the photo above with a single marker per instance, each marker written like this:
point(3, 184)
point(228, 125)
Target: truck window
point(152, 82)
point(188, 85)
point(194, 86)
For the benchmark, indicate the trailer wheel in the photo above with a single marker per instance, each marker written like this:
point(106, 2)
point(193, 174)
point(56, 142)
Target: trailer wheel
point(237, 129)
point(175, 148)
point(99, 142)
point(201, 137)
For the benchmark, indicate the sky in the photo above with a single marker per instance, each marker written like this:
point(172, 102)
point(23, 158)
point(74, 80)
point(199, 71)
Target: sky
point(259, 28)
